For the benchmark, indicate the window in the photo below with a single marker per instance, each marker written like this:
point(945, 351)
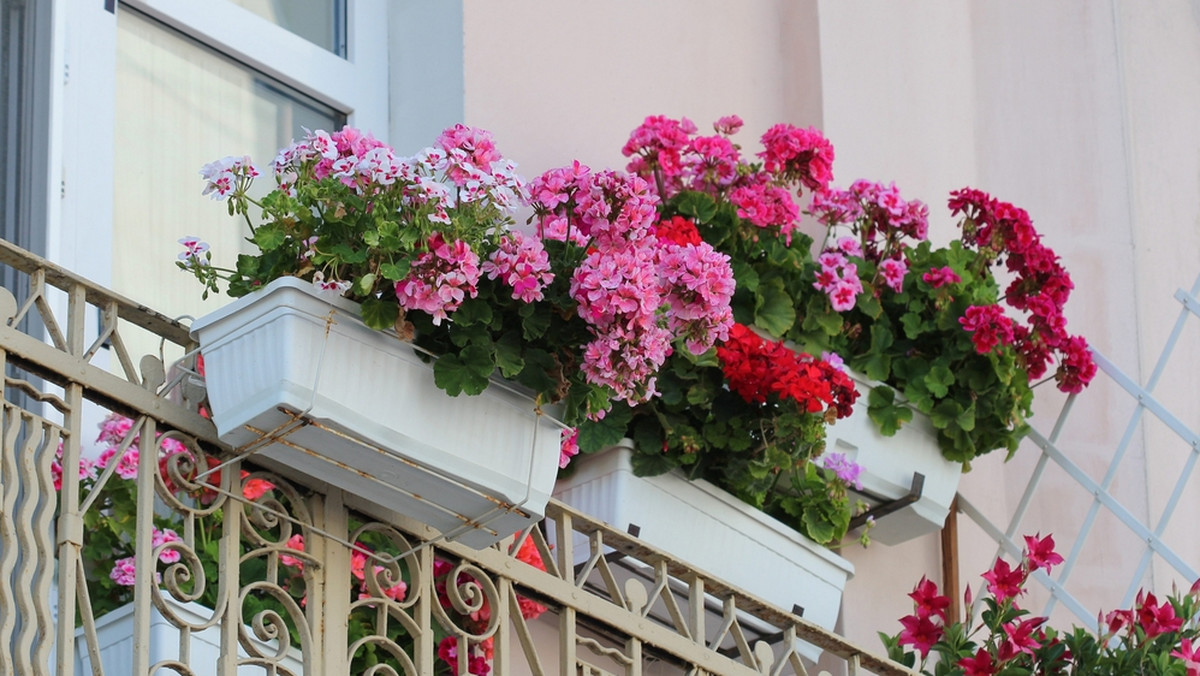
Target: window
point(154, 89)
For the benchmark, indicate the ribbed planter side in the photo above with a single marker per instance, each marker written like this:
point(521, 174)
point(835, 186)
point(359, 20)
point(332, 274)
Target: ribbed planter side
point(705, 526)
point(888, 465)
point(375, 424)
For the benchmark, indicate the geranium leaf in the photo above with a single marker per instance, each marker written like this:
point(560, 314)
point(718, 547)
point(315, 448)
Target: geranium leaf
point(269, 236)
point(946, 413)
point(820, 316)
point(696, 205)
point(473, 311)
point(395, 271)
point(881, 408)
point(869, 305)
point(595, 435)
point(774, 309)
point(508, 354)
point(379, 314)
point(535, 319)
point(363, 285)
point(466, 372)
point(744, 275)
point(536, 374)
point(939, 379)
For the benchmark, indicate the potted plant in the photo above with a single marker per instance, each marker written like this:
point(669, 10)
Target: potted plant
point(371, 264)
point(273, 565)
point(996, 636)
point(919, 328)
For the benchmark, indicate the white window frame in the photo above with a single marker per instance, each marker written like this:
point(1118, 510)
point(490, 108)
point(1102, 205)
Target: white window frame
point(82, 109)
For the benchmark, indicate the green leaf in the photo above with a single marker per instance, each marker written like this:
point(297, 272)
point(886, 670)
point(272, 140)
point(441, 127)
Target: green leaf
point(912, 324)
point(539, 364)
point(535, 319)
point(395, 271)
point(247, 265)
point(949, 412)
point(696, 205)
point(745, 276)
point(882, 409)
point(869, 305)
point(595, 435)
point(774, 309)
point(379, 314)
point(508, 354)
point(363, 285)
point(819, 315)
point(473, 311)
point(939, 380)
point(708, 359)
point(269, 236)
point(466, 371)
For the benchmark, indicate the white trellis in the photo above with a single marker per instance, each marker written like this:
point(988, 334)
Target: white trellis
point(1150, 530)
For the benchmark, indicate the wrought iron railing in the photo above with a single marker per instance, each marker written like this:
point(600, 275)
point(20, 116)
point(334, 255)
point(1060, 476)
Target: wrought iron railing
point(275, 577)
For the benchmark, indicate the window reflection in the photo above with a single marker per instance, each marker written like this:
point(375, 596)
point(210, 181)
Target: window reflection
point(179, 106)
point(322, 22)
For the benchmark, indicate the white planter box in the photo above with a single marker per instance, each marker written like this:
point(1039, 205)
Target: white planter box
point(705, 526)
point(114, 633)
point(476, 468)
point(888, 465)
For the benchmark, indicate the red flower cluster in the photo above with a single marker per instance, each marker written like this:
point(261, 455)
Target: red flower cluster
point(757, 369)
point(678, 230)
point(1040, 287)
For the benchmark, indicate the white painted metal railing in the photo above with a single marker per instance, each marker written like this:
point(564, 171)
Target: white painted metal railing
point(271, 606)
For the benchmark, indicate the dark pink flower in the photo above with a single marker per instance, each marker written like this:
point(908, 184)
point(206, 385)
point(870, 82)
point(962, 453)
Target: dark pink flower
point(1190, 655)
point(1005, 582)
point(1040, 552)
point(921, 633)
point(927, 600)
point(981, 664)
point(1155, 618)
point(1019, 638)
point(939, 277)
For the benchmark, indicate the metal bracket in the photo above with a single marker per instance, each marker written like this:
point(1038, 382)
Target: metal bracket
point(886, 507)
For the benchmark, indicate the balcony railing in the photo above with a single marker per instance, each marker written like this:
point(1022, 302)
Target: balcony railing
point(367, 589)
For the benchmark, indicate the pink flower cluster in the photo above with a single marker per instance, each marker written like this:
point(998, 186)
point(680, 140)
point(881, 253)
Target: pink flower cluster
point(462, 166)
point(678, 159)
point(635, 291)
point(440, 279)
point(523, 264)
point(883, 225)
point(799, 154)
point(884, 222)
point(700, 285)
point(1040, 287)
point(838, 278)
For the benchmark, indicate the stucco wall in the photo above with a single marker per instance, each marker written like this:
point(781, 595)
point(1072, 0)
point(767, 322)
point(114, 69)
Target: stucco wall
point(1081, 113)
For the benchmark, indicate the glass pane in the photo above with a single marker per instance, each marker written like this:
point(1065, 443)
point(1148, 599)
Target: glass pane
point(179, 106)
point(321, 22)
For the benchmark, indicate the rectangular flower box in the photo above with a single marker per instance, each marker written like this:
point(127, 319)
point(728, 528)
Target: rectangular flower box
point(114, 633)
point(295, 377)
point(888, 466)
point(713, 530)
